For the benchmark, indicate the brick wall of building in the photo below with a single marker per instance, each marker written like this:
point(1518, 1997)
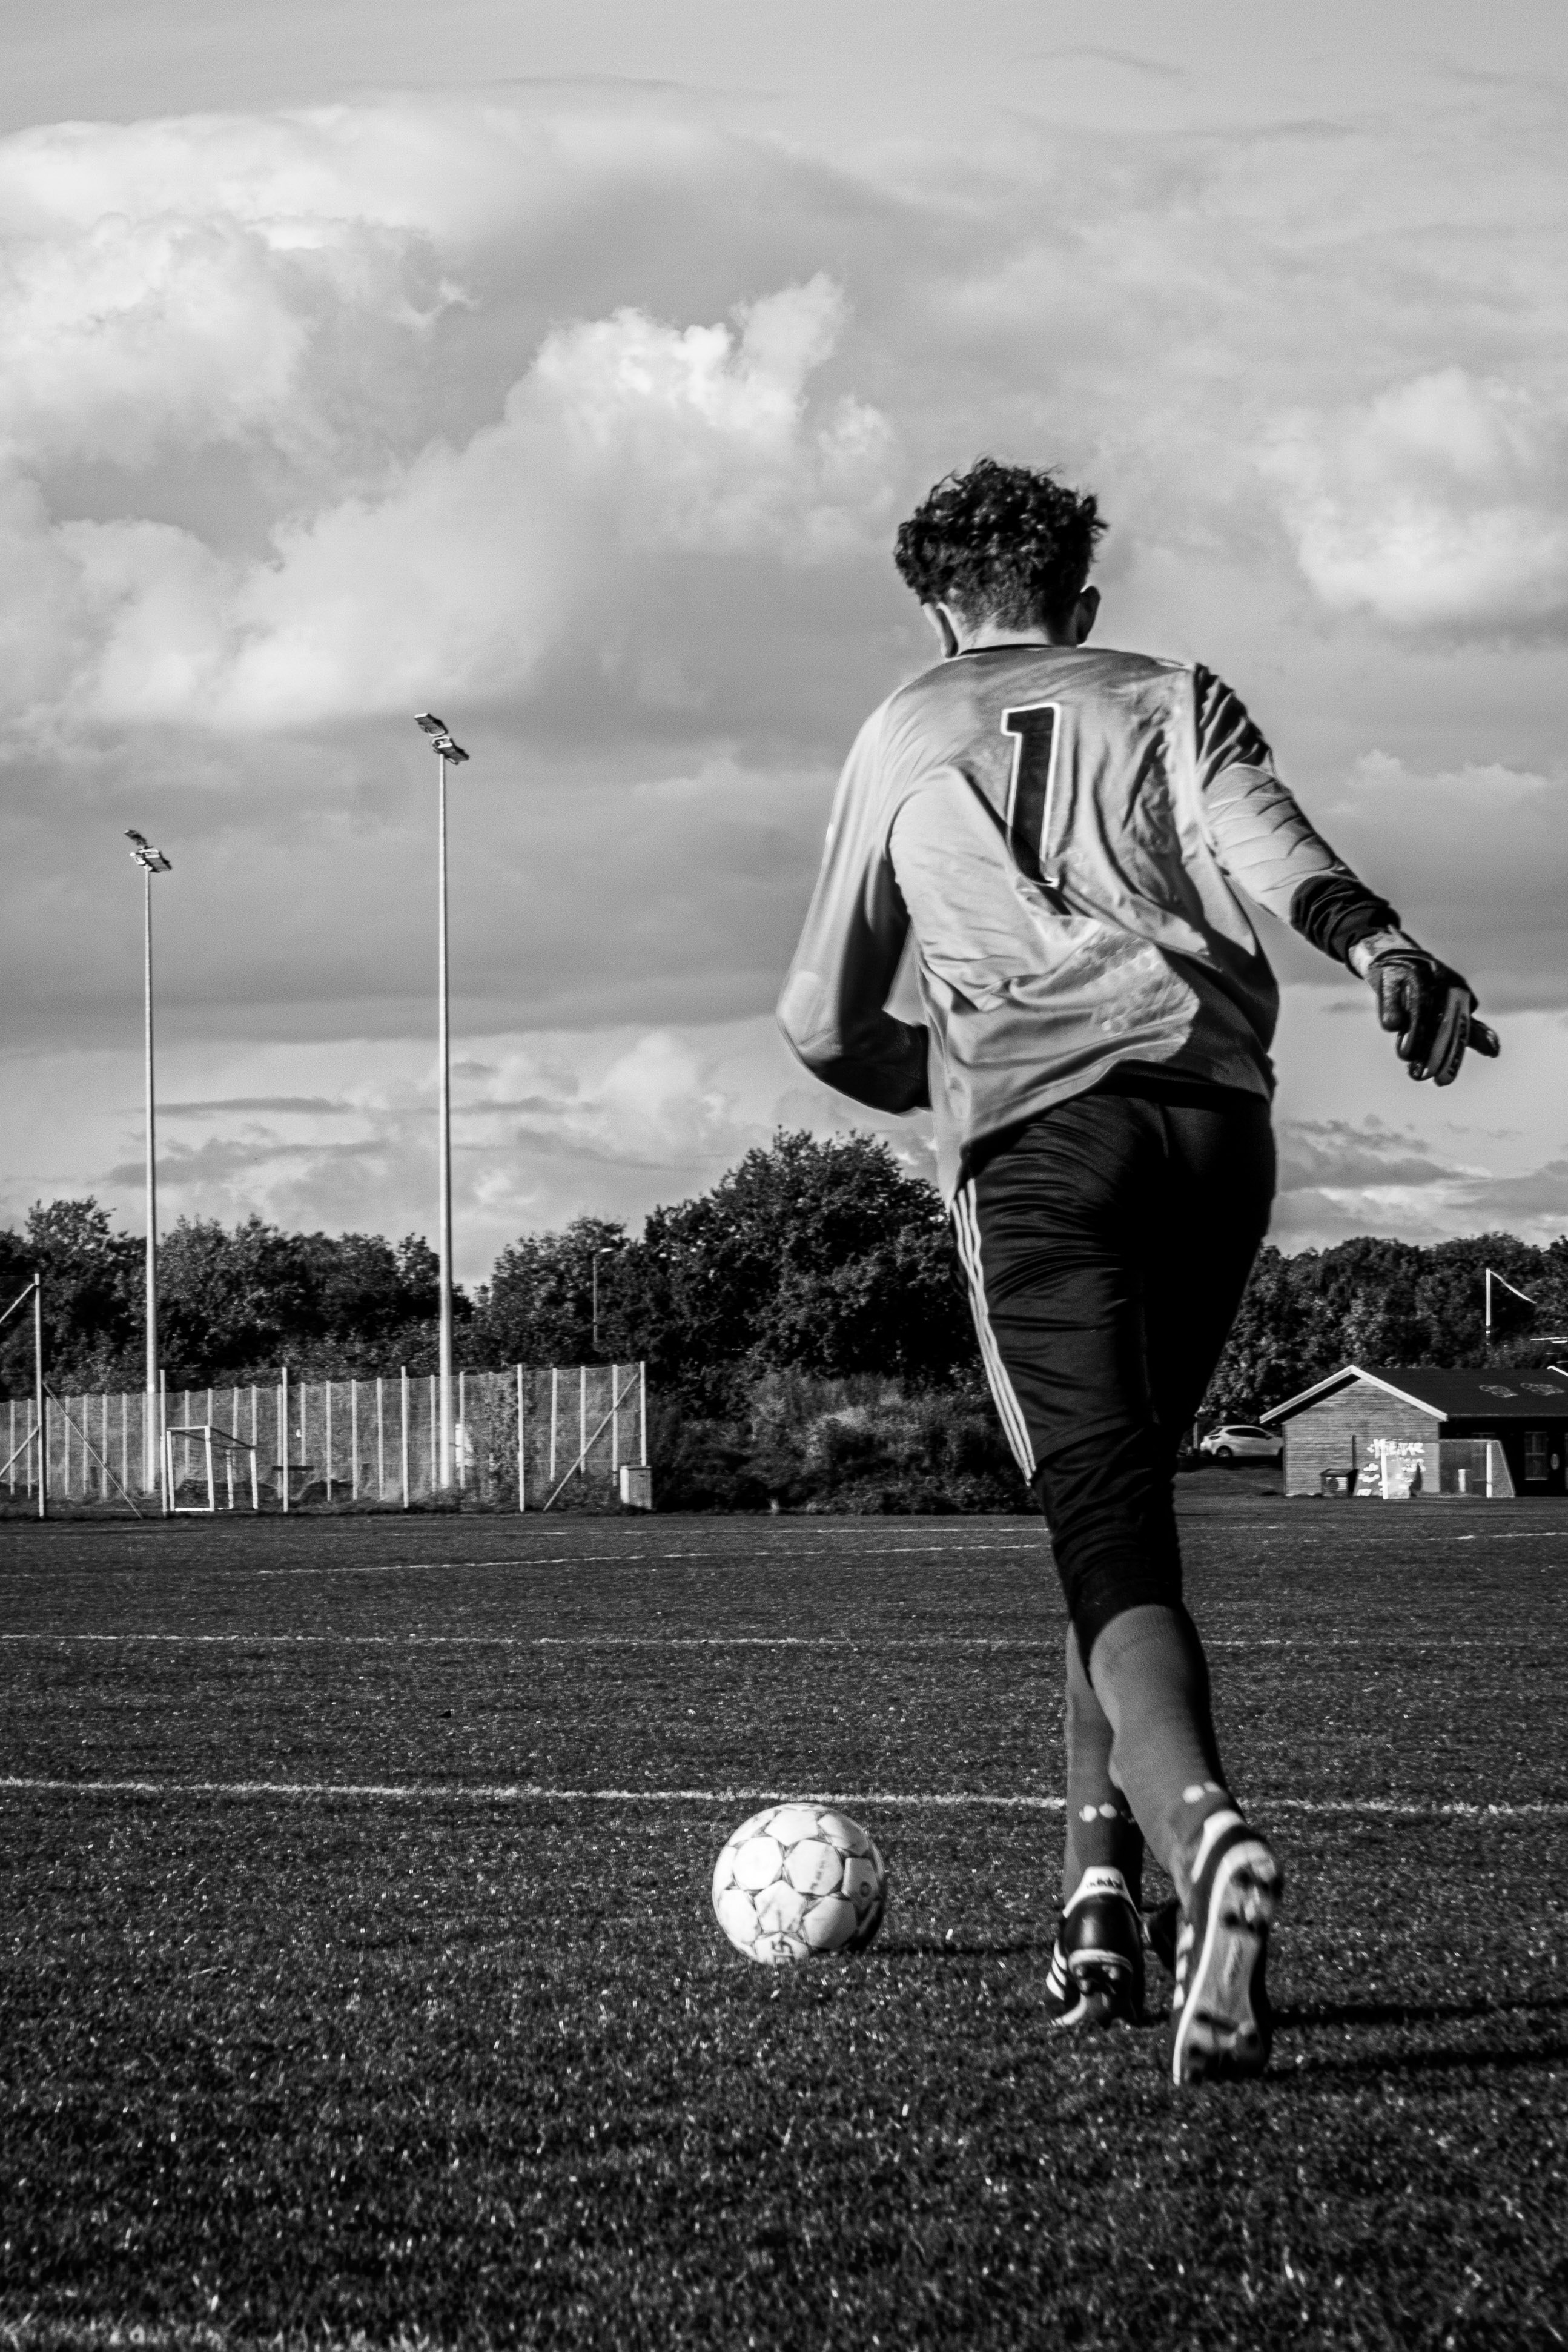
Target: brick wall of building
point(1321, 1436)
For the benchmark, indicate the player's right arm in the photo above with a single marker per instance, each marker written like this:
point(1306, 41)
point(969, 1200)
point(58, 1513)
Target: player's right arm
point(1265, 841)
point(833, 1011)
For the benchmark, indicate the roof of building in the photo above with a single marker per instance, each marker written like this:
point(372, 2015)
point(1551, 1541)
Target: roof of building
point(1508, 1393)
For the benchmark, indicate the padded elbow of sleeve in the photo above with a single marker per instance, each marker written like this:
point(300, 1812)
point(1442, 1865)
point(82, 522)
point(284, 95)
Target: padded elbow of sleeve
point(1335, 911)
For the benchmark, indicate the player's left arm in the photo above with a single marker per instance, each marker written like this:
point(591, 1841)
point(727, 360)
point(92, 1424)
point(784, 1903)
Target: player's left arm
point(833, 1011)
point(1266, 842)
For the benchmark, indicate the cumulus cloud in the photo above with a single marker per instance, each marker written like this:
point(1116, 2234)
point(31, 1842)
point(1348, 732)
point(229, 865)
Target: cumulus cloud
point(1341, 1177)
point(1476, 858)
point(1538, 1198)
point(1325, 1155)
point(264, 283)
point(627, 442)
point(143, 337)
point(658, 1105)
point(543, 1127)
point(1441, 504)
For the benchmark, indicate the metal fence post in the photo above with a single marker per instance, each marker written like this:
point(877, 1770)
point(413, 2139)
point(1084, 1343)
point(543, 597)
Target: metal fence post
point(41, 1400)
point(283, 1431)
point(403, 1377)
point(522, 1488)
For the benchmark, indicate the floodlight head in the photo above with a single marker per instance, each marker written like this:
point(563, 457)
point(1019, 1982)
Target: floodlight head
point(440, 736)
point(152, 861)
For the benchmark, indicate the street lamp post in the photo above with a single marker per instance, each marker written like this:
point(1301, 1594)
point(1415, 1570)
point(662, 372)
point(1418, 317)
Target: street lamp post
point(605, 1249)
point(152, 861)
point(445, 748)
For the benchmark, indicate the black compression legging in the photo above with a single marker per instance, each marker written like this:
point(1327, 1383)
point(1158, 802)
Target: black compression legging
point(1107, 1243)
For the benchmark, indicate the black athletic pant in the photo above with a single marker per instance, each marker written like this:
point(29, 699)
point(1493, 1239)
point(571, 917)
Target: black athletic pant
point(1107, 1243)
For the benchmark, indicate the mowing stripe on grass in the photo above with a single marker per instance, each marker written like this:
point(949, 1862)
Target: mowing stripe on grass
point(772, 1541)
point(524, 1792)
point(1035, 1542)
point(882, 1643)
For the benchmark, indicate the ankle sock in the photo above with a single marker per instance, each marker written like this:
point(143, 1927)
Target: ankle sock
point(1101, 1834)
point(1149, 1675)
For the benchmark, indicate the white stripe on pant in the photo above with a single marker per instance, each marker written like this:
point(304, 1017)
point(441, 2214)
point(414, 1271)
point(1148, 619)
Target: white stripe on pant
point(966, 1226)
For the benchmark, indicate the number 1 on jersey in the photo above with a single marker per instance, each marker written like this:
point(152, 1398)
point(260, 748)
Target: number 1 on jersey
point(1033, 729)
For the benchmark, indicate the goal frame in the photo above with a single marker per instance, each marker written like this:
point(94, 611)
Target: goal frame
point(228, 1444)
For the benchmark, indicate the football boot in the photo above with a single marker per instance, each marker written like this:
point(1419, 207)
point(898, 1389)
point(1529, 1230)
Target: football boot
point(1221, 2024)
point(1096, 1973)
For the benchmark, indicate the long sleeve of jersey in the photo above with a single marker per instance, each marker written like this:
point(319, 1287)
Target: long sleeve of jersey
point(1263, 840)
point(833, 1011)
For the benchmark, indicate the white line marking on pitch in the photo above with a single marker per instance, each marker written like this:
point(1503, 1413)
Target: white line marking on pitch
point(532, 1792)
point(720, 1556)
point(881, 1642)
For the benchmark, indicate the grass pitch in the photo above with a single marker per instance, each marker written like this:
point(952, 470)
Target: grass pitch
point(355, 1989)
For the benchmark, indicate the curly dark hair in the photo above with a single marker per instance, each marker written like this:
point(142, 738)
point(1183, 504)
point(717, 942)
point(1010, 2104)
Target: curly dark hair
point(1007, 542)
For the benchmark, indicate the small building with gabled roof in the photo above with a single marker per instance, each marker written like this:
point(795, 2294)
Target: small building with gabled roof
point(1390, 1432)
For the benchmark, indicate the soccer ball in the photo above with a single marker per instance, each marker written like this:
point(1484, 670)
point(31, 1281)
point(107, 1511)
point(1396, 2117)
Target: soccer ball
point(798, 1881)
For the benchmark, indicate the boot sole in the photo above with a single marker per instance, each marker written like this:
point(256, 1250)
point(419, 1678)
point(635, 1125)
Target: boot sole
point(1225, 2028)
point(1106, 1993)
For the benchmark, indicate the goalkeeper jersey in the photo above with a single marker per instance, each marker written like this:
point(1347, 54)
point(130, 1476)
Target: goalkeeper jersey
point(1067, 833)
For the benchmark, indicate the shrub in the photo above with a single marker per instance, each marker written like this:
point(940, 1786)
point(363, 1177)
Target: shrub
point(857, 1444)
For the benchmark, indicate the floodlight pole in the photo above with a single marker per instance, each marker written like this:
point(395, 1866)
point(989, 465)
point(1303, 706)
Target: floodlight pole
point(445, 748)
point(606, 1249)
point(152, 861)
point(445, 1472)
point(150, 1414)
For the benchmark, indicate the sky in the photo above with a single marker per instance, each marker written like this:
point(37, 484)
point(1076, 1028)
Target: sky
point(567, 372)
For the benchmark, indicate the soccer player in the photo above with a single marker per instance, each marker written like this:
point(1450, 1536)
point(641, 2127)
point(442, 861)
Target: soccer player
point(1069, 835)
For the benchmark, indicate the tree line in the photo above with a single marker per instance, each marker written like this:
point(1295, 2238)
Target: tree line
point(823, 1260)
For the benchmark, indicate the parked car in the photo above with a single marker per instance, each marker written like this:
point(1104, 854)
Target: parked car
point(1241, 1441)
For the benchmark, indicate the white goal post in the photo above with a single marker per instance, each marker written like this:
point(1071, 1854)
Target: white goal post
point(214, 1452)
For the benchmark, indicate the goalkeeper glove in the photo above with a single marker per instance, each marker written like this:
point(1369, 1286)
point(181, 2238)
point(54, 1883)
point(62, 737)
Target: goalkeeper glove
point(1429, 1006)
